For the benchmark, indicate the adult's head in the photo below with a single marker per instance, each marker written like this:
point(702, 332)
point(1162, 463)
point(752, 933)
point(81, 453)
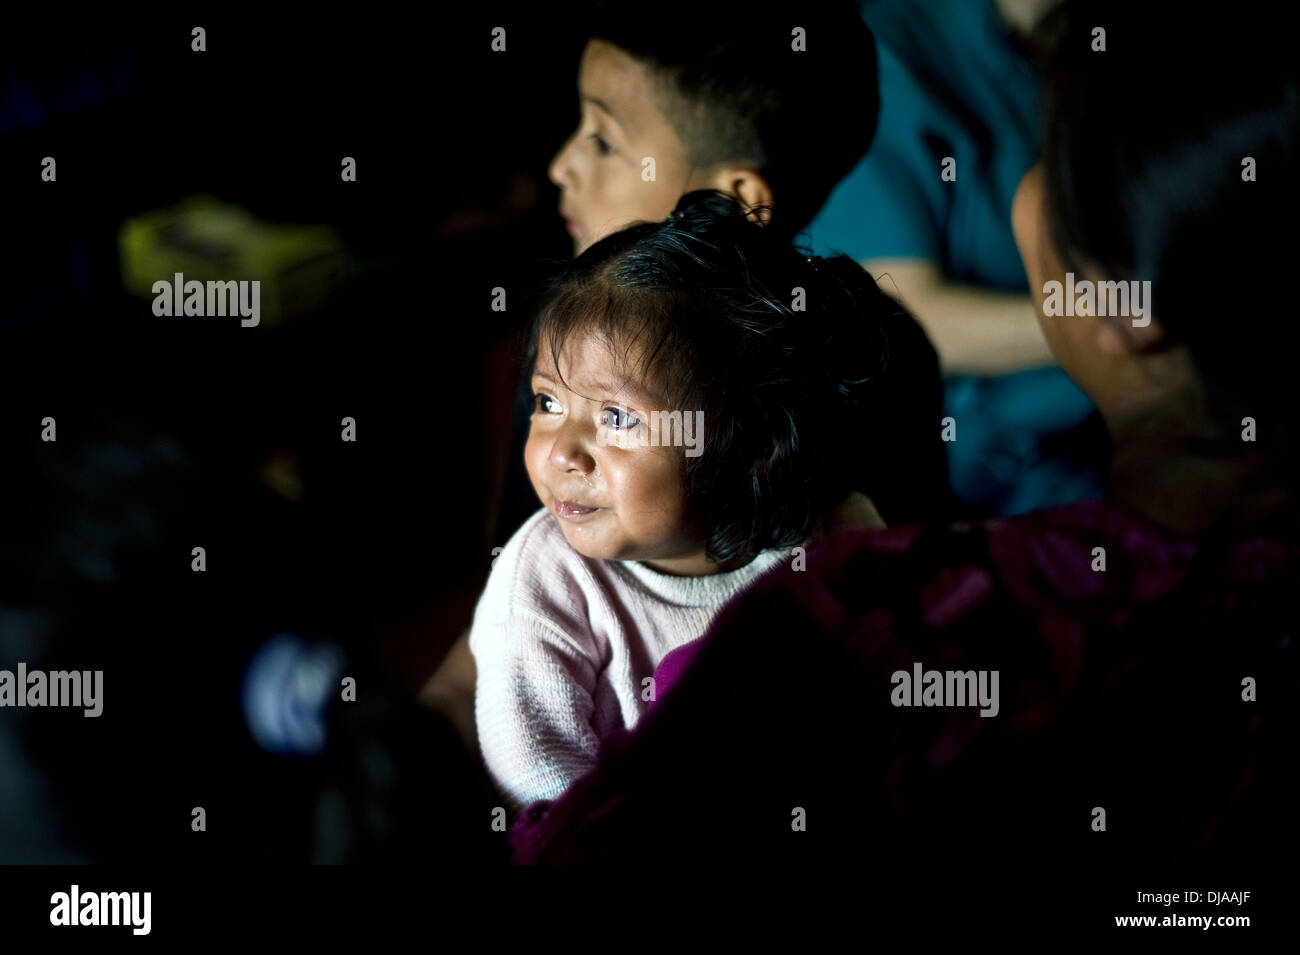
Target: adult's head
point(1170, 158)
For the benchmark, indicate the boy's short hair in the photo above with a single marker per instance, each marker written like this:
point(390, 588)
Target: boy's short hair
point(735, 88)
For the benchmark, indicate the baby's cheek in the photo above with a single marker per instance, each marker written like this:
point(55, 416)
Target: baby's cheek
point(534, 462)
point(659, 493)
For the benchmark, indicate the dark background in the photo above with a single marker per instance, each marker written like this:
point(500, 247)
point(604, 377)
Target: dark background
point(168, 427)
point(171, 432)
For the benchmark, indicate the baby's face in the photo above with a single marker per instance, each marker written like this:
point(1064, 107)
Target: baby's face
point(615, 497)
point(600, 169)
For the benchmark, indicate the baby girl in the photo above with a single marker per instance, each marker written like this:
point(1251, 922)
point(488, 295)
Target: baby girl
point(705, 403)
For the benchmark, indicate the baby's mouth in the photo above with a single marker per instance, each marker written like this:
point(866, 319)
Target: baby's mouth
point(572, 512)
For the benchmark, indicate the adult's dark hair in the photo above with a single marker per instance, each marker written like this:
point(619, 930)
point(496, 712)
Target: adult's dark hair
point(735, 89)
point(1149, 145)
point(803, 400)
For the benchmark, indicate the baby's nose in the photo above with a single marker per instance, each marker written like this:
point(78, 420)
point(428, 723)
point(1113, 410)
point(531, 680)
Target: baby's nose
point(569, 454)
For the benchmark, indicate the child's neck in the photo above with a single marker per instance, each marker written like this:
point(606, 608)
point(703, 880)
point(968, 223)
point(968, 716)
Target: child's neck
point(696, 565)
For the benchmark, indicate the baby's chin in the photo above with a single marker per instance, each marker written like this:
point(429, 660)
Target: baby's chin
point(589, 545)
point(595, 544)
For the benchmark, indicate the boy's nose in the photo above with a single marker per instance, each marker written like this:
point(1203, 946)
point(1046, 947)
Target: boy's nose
point(561, 169)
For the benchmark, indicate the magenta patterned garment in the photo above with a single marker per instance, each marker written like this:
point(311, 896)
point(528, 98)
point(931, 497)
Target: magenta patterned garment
point(1148, 677)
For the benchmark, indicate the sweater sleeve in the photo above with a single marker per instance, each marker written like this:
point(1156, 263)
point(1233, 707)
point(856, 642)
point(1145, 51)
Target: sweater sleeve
point(533, 702)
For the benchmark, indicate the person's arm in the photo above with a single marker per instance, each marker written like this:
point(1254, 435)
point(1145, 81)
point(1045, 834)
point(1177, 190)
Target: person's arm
point(533, 705)
point(450, 691)
point(974, 330)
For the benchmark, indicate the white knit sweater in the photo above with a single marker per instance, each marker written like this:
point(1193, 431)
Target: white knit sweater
point(562, 644)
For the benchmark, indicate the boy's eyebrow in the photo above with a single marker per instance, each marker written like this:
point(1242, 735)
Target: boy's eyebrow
point(603, 106)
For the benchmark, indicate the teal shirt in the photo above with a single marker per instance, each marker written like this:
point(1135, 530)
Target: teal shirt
point(953, 84)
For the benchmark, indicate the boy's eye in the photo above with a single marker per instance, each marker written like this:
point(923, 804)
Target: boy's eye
point(618, 419)
point(545, 404)
point(602, 145)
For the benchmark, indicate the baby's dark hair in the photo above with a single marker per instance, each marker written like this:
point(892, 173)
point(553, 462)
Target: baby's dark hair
point(734, 88)
point(1146, 178)
point(812, 381)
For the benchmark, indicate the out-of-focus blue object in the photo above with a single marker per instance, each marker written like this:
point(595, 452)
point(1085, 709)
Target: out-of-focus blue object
point(1025, 441)
point(287, 688)
point(86, 78)
point(953, 83)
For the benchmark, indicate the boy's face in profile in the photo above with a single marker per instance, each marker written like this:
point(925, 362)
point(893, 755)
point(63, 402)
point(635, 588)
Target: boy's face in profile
point(600, 170)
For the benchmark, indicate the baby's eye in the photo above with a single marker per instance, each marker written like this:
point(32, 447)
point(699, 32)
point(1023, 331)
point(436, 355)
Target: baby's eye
point(602, 145)
point(618, 419)
point(545, 404)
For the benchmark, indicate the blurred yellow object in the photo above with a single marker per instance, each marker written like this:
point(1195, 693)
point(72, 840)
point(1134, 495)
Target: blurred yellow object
point(299, 266)
point(280, 472)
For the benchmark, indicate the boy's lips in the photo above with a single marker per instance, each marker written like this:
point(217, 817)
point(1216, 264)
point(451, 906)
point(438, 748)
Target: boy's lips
point(575, 228)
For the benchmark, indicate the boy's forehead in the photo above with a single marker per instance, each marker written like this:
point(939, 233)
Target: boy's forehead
point(621, 87)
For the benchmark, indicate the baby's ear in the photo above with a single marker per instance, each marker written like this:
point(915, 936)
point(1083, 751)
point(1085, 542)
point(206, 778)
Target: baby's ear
point(775, 452)
point(747, 185)
point(765, 465)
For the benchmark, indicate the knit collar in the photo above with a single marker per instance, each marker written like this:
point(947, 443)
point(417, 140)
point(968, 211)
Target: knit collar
point(704, 590)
